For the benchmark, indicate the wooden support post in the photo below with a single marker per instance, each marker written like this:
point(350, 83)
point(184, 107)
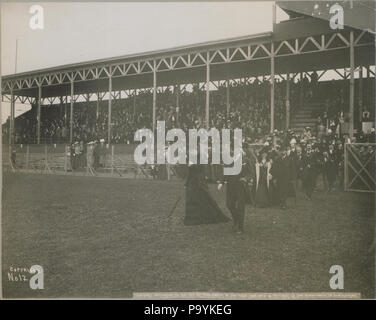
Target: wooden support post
point(11, 122)
point(207, 101)
point(65, 110)
point(154, 94)
point(301, 90)
point(66, 158)
point(10, 149)
point(272, 80)
point(360, 97)
point(97, 110)
point(351, 124)
point(368, 87)
point(109, 110)
point(46, 167)
point(39, 112)
point(27, 156)
point(288, 101)
point(112, 159)
point(61, 106)
point(168, 170)
point(227, 97)
point(346, 146)
point(134, 103)
point(177, 88)
point(71, 112)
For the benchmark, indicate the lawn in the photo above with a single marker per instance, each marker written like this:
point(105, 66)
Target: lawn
point(109, 237)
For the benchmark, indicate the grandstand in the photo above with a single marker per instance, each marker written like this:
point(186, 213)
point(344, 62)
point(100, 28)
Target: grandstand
point(277, 80)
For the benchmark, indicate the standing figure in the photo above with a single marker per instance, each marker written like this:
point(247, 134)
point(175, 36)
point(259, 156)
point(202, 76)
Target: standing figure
point(237, 195)
point(102, 153)
point(299, 168)
point(96, 155)
point(200, 207)
point(330, 167)
point(282, 175)
point(309, 172)
point(13, 157)
point(262, 179)
point(341, 165)
point(292, 157)
point(77, 155)
point(318, 166)
point(72, 157)
point(90, 157)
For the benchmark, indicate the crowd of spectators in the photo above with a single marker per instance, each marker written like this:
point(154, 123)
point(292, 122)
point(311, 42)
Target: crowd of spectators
point(249, 110)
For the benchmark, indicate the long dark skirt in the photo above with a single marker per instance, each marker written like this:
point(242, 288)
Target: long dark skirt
point(201, 208)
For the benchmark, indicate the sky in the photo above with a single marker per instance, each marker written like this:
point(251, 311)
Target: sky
point(76, 32)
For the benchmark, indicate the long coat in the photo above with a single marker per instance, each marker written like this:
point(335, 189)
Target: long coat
point(283, 172)
point(200, 207)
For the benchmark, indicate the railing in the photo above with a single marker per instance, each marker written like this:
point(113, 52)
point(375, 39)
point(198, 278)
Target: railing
point(115, 160)
point(112, 160)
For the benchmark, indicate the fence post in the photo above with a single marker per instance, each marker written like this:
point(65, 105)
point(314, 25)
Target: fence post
point(346, 167)
point(112, 159)
point(10, 158)
point(65, 158)
point(168, 171)
point(45, 158)
point(27, 157)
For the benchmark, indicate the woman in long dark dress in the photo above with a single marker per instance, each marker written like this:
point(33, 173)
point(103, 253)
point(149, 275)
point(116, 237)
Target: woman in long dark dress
point(262, 182)
point(200, 207)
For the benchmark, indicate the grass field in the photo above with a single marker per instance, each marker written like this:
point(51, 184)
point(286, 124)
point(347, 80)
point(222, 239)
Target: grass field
point(108, 237)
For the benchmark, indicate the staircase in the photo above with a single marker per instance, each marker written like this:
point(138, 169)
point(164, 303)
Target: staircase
point(305, 117)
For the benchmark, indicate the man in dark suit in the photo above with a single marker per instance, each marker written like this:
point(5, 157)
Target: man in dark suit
point(292, 155)
point(237, 194)
point(340, 157)
point(309, 165)
point(299, 167)
point(282, 172)
point(330, 167)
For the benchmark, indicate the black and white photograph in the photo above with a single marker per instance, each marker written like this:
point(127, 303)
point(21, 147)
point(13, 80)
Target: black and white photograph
point(168, 150)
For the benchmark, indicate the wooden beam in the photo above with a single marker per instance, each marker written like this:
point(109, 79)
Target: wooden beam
point(207, 102)
point(351, 124)
point(11, 123)
point(71, 112)
point(227, 97)
point(39, 112)
point(109, 110)
point(288, 101)
point(154, 94)
point(272, 80)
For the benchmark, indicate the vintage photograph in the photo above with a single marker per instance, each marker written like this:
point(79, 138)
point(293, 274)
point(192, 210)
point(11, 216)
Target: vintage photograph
point(188, 150)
